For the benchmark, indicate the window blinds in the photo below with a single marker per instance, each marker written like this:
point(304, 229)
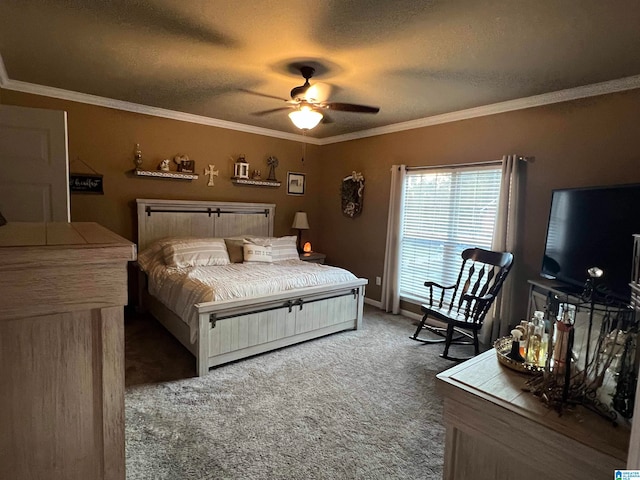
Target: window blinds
point(444, 212)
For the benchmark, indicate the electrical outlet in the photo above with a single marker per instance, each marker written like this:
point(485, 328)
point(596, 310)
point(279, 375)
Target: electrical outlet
point(378, 281)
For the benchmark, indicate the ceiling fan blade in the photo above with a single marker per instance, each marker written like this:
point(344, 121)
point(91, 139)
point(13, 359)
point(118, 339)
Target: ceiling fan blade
point(262, 94)
point(350, 107)
point(318, 93)
point(267, 112)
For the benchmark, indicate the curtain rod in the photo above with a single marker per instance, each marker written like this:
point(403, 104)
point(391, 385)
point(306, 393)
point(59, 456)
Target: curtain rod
point(463, 165)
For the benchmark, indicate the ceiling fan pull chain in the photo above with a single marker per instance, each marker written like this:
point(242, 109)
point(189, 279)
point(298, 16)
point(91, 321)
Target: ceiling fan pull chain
point(304, 146)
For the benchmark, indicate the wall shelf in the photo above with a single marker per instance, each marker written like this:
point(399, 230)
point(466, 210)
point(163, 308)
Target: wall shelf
point(163, 174)
point(256, 183)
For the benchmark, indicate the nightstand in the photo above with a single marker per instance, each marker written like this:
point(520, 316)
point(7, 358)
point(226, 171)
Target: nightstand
point(313, 257)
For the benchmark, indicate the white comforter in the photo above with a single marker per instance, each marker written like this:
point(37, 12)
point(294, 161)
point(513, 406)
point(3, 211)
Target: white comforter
point(181, 288)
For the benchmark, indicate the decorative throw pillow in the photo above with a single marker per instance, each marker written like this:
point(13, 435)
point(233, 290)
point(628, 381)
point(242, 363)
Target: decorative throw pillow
point(234, 249)
point(256, 253)
point(196, 252)
point(283, 248)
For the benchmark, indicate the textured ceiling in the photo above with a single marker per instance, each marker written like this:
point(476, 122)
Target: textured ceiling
point(413, 59)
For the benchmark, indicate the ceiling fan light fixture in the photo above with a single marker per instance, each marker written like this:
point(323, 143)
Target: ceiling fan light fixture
point(305, 118)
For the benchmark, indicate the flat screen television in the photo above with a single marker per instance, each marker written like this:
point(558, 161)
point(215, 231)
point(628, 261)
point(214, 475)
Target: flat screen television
point(592, 227)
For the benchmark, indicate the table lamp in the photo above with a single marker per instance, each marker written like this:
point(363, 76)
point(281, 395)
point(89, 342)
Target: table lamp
point(300, 222)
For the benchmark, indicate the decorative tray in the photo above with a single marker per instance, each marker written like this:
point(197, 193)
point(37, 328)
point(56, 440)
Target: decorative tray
point(503, 347)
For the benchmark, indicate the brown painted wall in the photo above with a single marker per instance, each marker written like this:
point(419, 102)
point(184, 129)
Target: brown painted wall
point(594, 141)
point(105, 139)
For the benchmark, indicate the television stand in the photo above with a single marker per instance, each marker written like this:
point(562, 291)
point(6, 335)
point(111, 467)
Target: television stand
point(549, 296)
point(546, 295)
point(570, 290)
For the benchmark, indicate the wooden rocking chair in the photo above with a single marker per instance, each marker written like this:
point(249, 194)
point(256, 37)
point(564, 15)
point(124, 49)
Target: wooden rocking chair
point(463, 306)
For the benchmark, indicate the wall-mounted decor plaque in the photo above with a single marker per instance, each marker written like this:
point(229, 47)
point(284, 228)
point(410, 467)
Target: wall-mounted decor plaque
point(86, 183)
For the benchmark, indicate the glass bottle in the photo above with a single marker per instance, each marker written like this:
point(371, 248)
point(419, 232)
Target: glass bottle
point(533, 349)
point(523, 338)
point(515, 344)
point(544, 344)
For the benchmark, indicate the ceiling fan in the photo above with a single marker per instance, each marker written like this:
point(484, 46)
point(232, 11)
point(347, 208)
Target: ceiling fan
point(308, 101)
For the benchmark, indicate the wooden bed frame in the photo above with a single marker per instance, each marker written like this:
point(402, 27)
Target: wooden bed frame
point(233, 329)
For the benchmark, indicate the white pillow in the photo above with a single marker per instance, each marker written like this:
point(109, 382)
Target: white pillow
point(256, 253)
point(283, 248)
point(195, 252)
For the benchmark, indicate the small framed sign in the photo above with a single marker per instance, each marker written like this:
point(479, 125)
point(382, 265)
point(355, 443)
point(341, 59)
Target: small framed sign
point(187, 166)
point(86, 183)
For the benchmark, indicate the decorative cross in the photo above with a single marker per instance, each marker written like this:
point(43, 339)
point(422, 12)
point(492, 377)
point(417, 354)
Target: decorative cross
point(211, 172)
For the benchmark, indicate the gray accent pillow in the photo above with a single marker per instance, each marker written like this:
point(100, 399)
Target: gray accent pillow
point(234, 249)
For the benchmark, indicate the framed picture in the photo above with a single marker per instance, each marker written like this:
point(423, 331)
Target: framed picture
point(295, 183)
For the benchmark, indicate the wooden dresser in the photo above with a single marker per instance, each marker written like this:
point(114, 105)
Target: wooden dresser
point(63, 287)
point(497, 431)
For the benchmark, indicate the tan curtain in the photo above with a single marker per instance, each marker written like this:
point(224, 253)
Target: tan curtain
point(504, 240)
point(391, 274)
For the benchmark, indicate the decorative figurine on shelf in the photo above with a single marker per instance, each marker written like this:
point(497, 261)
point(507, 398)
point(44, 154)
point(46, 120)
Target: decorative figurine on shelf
point(137, 157)
point(212, 173)
point(273, 163)
point(164, 165)
point(184, 164)
point(241, 168)
point(256, 175)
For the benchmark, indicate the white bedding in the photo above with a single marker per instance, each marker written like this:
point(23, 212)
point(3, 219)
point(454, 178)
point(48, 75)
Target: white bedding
point(181, 288)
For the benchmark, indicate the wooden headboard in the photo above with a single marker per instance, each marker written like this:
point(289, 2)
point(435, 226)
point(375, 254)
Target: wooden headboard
point(184, 218)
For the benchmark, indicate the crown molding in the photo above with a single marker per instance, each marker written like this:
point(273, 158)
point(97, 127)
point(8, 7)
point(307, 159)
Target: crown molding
point(147, 110)
point(602, 88)
point(25, 87)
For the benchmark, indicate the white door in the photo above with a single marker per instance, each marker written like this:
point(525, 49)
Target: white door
point(34, 166)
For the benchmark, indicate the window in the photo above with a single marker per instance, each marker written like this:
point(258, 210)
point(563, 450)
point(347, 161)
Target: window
point(444, 212)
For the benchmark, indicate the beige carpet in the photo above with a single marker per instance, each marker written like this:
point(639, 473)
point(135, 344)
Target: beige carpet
point(355, 405)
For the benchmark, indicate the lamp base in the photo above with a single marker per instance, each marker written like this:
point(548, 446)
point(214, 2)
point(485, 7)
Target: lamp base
point(299, 243)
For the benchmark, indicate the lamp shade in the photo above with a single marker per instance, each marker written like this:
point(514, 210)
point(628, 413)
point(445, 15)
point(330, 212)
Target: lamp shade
point(300, 221)
point(305, 118)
